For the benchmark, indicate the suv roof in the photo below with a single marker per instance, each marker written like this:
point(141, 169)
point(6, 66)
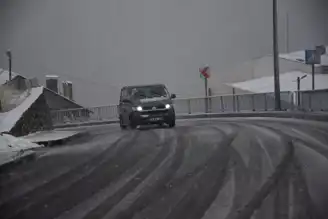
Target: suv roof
point(145, 85)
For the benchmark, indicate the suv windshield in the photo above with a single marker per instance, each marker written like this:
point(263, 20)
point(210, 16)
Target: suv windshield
point(148, 92)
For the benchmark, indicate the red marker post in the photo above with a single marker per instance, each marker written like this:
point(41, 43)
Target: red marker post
point(204, 74)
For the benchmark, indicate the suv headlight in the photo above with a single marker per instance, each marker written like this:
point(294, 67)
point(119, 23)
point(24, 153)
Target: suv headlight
point(137, 108)
point(167, 106)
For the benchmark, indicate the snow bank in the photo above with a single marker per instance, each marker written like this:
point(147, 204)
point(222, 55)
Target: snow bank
point(9, 143)
point(299, 56)
point(9, 119)
point(287, 83)
point(47, 136)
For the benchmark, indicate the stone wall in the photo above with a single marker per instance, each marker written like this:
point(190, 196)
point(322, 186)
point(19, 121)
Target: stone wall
point(36, 118)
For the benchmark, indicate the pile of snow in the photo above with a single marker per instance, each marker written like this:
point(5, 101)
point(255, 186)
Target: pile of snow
point(9, 143)
point(287, 83)
point(9, 119)
point(299, 56)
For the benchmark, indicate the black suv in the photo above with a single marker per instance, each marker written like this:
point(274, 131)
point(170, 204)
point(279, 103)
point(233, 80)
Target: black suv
point(146, 104)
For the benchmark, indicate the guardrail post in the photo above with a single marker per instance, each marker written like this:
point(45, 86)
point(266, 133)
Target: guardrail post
point(189, 107)
point(291, 100)
point(97, 110)
point(206, 104)
point(237, 103)
point(310, 101)
point(233, 100)
point(299, 99)
point(253, 102)
point(265, 102)
point(221, 103)
point(210, 104)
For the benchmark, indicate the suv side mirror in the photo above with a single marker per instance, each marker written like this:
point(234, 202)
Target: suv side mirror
point(173, 96)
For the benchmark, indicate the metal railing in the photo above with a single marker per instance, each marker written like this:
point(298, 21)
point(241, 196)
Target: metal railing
point(310, 101)
point(316, 100)
point(233, 103)
point(99, 113)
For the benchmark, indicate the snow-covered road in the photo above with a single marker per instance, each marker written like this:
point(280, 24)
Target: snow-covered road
point(202, 169)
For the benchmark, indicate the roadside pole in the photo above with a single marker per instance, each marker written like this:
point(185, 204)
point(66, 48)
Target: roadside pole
point(204, 74)
point(8, 53)
point(206, 96)
point(298, 91)
point(313, 71)
point(298, 80)
point(275, 56)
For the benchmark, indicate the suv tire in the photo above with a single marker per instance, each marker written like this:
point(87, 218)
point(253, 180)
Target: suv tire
point(123, 127)
point(133, 125)
point(171, 123)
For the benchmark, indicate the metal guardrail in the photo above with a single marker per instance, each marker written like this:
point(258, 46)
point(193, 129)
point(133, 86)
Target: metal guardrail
point(99, 113)
point(233, 103)
point(316, 100)
point(310, 101)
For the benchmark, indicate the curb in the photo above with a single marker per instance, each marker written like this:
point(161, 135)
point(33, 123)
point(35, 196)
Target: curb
point(14, 162)
point(297, 115)
point(71, 125)
point(323, 117)
point(63, 140)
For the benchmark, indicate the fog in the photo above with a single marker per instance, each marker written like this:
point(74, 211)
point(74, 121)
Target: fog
point(101, 45)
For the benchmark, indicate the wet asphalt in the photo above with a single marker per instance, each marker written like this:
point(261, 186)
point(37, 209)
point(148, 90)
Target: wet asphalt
point(236, 168)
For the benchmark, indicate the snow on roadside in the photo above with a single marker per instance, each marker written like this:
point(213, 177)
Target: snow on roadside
point(9, 119)
point(9, 143)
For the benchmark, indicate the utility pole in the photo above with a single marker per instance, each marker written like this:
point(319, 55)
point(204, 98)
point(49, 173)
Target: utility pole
point(298, 80)
point(298, 91)
point(8, 53)
point(275, 56)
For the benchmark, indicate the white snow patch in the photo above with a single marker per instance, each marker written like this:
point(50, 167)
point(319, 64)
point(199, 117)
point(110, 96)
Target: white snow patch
point(299, 56)
point(52, 76)
point(9, 119)
point(9, 143)
point(53, 135)
point(287, 83)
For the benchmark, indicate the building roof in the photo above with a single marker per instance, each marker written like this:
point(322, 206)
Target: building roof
point(64, 98)
point(52, 76)
point(9, 119)
point(299, 56)
point(287, 83)
point(4, 76)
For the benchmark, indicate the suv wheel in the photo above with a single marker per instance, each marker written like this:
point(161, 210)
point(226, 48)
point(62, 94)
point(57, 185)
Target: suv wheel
point(171, 123)
point(133, 125)
point(121, 124)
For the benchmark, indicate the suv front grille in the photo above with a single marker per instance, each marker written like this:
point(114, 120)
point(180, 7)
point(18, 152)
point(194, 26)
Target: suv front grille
point(156, 107)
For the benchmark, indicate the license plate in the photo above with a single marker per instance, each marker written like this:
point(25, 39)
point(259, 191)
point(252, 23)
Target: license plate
point(155, 119)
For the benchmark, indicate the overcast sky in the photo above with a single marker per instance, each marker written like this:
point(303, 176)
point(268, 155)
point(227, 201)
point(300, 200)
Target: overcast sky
point(101, 45)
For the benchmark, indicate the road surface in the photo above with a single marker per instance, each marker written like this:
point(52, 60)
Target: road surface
point(202, 169)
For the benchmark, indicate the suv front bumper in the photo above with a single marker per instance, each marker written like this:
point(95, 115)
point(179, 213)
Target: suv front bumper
point(153, 116)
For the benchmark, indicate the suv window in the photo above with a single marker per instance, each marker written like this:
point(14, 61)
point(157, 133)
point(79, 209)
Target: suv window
point(148, 92)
